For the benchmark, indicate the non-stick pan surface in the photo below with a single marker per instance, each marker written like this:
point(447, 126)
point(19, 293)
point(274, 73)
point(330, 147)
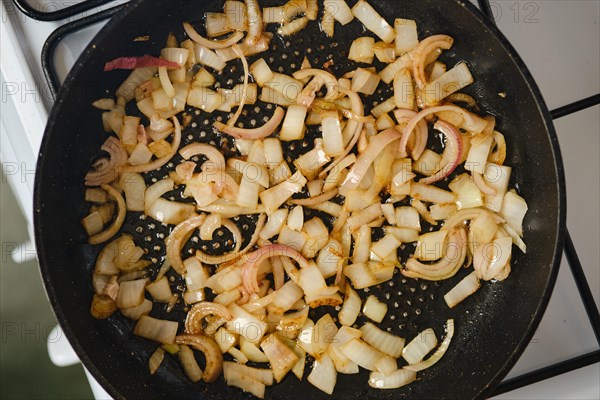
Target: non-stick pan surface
point(492, 327)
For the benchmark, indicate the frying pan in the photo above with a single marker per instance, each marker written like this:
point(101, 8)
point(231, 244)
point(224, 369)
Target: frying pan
point(493, 326)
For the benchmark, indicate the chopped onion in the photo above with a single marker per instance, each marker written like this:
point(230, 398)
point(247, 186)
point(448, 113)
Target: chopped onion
point(339, 10)
point(431, 194)
point(236, 15)
point(374, 309)
point(246, 324)
point(450, 82)
point(286, 297)
point(406, 35)
point(255, 21)
point(373, 21)
point(135, 313)
point(293, 27)
point(439, 353)
point(362, 50)
point(497, 177)
point(281, 358)
point(103, 306)
point(206, 56)
point(466, 287)
point(212, 354)
point(389, 72)
point(401, 377)
point(158, 330)
point(323, 375)
point(362, 354)
point(423, 50)
point(383, 341)
point(513, 210)
point(468, 194)
point(418, 348)
point(453, 152)
point(160, 290)
point(156, 360)
point(351, 308)
point(365, 81)
point(190, 366)
point(430, 246)
point(108, 233)
point(211, 44)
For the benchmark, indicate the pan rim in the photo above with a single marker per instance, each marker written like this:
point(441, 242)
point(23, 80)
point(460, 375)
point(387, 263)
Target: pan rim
point(559, 235)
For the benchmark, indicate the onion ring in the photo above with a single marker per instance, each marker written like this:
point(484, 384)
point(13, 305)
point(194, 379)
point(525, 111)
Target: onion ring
point(117, 223)
point(211, 351)
point(453, 153)
point(109, 170)
point(199, 311)
point(421, 52)
point(156, 164)
point(250, 267)
point(212, 44)
point(256, 133)
point(174, 241)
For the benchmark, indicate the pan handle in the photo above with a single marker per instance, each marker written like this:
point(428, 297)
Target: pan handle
point(59, 34)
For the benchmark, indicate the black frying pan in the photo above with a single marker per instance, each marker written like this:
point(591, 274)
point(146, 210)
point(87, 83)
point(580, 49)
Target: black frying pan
point(493, 326)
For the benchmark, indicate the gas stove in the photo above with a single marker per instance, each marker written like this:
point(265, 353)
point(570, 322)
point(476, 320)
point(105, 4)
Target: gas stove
point(558, 39)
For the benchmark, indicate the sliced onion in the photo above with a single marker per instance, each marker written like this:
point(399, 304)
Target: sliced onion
point(453, 153)
point(255, 21)
point(108, 171)
point(439, 353)
point(214, 260)
point(102, 306)
point(418, 348)
point(412, 124)
point(466, 287)
point(212, 354)
point(250, 268)
point(156, 164)
point(381, 340)
point(351, 308)
point(362, 354)
point(455, 253)
point(210, 152)
point(482, 184)
point(513, 210)
point(293, 27)
point(175, 241)
point(431, 194)
point(423, 50)
point(112, 230)
point(376, 146)
point(158, 330)
point(281, 358)
point(330, 81)
point(189, 363)
point(135, 313)
point(212, 44)
point(194, 318)
point(374, 309)
point(323, 375)
point(401, 377)
point(156, 360)
point(256, 133)
point(160, 290)
point(374, 22)
point(245, 382)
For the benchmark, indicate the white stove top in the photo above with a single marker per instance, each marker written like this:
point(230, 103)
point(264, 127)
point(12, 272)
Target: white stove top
point(559, 41)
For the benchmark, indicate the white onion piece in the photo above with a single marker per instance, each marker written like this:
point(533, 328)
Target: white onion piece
point(387, 245)
point(107, 172)
point(255, 21)
point(351, 308)
point(206, 56)
point(112, 230)
point(389, 72)
point(209, 226)
point(374, 22)
point(362, 354)
point(155, 191)
point(478, 154)
point(431, 194)
point(170, 212)
point(362, 50)
point(381, 340)
point(339, 10)
point(401, 377)
point(418, 348)
point(376, 146)
point(497, 177)
point(274, 224)
point(135, 313)
point(439, 353)
point(406, 35)
point(188, 362)
point(466, 287)
point(450, 82)
point(286, 297)
point(280, 356)
point(323, 375)
point(330, 258)
point(158, 330)
point(387, 365)
point(513, 210)
point(156, 360)
point(137, 77)
point(210, 152)
point(131, 293)
point(250, 268)
point(374, 309)
point(275, 196)
point(160, 290)
point(293, 27)
point(159, 162)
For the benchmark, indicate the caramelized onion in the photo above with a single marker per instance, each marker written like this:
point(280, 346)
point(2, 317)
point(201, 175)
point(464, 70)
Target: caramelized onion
point(211, 351)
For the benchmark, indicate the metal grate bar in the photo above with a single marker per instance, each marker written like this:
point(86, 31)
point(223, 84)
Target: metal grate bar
point(548, 372)
point(57, 15)
point(56, 36)
point(583, 285)
point(576, 107)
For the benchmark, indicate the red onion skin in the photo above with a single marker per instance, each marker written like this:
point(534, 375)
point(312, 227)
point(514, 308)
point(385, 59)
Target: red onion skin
point(138, 62)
